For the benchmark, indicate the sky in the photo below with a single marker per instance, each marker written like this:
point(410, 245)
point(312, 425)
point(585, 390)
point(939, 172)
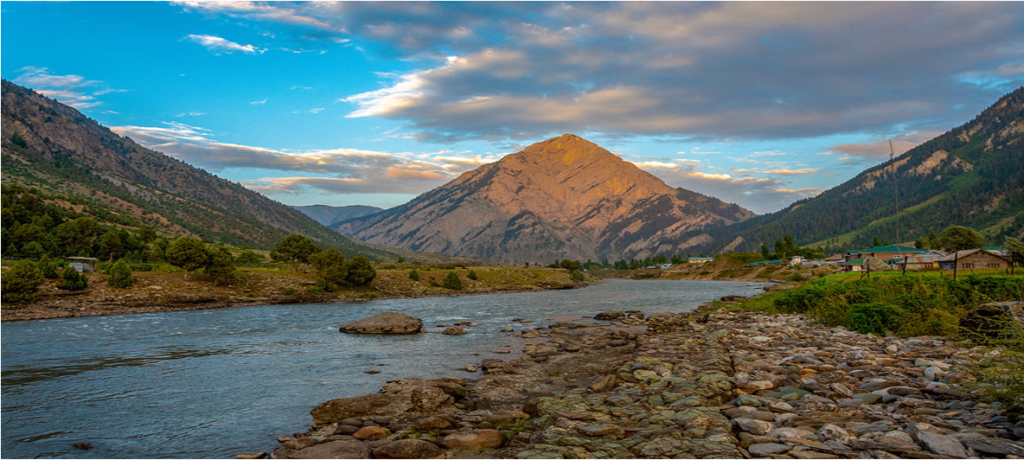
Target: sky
point(760, 104)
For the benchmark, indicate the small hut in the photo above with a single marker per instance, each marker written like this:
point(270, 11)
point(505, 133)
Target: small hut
point(82, 264)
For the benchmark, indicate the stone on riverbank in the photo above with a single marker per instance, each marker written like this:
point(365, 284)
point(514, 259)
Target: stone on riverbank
point(384, 323)
point(455, 330)
point(408, 448)
point(334, 449)
point(480, 439)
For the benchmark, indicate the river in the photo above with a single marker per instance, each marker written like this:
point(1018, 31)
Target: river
point(213, 383)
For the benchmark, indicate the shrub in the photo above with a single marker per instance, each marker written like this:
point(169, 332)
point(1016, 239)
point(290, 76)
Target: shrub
point(452, 281)
point(21, 283)
point(577, 276)
point(360, 271)
point(71, 280)
point(294, 248)
point(47, 268)
point(331, 268)
point(220, 266)
point(186, 253)
point(248, 259)
point(414, 275)
point(472, 275)
point(120, 275)
point(876, 317)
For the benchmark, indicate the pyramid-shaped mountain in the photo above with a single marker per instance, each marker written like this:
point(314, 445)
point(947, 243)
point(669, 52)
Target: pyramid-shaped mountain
point(561, 198)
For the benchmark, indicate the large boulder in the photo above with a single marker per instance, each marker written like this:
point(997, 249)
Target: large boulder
point(998, 319)
point(384, 323)
point(479, 439)
point(408, 448)
point(398, 398)
point(334, 449)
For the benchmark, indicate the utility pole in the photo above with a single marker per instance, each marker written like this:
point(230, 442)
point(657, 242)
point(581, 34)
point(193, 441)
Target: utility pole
point(895, 190)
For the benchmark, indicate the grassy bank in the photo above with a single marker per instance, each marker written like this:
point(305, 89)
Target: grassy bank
point(911, 305)
point(916, 304)
point(165, 288)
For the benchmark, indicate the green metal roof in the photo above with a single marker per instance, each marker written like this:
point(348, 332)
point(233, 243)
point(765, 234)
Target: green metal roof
point(889, 248)
point(859, 261)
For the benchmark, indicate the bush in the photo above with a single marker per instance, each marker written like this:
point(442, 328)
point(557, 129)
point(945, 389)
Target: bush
point(331, 267)
point(71, 280)
point(220, 266)
point(414, 275)
point(360, 271)
point(248, 259)
point(21, 283)
point(878, 318)
point(577, 276)
point(120, 275)
point(47, 268)
point(186, 253)
point(472, 275)
point(452, 281)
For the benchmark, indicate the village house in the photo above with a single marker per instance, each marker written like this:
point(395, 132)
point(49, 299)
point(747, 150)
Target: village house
point(82, 264)
point(974, 259)
point(892, 251)
point(699, 260)
point(835, 259)
point(922, 261)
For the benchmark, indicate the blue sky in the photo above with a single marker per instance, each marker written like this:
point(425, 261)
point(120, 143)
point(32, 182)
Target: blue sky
point(759, 104)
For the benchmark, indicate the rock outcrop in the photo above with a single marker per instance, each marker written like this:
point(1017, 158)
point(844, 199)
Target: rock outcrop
point(384, 323)
point(561, 198)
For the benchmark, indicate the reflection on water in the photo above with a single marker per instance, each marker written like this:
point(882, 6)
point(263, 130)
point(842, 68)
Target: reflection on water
point(214, 383)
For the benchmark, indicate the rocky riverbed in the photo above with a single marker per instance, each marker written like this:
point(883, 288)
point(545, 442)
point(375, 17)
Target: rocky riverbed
point(704, 384)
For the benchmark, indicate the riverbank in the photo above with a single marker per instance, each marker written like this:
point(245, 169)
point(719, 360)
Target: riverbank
point(162, 291)
point(711, 383)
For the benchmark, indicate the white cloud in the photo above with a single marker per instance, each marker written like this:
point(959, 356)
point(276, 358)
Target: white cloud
point(220, 45)
point(259, 102)
point(73, 90)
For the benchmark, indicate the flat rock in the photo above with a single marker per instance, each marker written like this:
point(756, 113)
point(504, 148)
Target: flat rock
point(752, 426)
point(384, 323)
point(334, 449)
point(609, 315)
point(943, 445)
point(480, 439)
point(455, 330)
point(407, 448)
point(768, 448)
point(370, 433)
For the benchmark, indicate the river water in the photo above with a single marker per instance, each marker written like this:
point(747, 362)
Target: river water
point(213, 383)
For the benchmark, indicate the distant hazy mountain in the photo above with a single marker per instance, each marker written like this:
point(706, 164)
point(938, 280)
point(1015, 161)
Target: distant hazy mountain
point(561, 198)
point(328, 215)
point(58, 149)
point(972, 175)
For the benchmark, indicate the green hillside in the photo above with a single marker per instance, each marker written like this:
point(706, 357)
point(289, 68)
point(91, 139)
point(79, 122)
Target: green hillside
point(92, 171)
point(972, 175)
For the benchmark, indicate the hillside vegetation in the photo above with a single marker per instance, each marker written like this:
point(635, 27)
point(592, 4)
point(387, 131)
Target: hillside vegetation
point(79, 163)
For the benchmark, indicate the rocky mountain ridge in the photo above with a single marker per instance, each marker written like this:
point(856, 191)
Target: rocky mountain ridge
point(561, 198)
point(972, 175)
point(56, 148)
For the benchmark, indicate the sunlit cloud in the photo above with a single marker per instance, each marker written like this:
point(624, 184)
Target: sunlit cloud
point(73, 90)
point(220, 45)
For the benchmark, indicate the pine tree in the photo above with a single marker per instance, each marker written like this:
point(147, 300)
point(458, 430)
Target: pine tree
point(120, 275)
point(360, 271)
point(71, 280)
point(21, 283)
point(452, 281)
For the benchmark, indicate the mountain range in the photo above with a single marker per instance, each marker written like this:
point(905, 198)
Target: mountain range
point(561, 198)
point(333, 215)
point(972, 175)
point(568, 198)
point(53, 147)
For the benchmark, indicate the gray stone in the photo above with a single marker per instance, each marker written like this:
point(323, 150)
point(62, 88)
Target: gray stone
point(455, 330)
point(833, 432)
point(753, 426)
point(407, 448)
point(944, 445)
point(768, 448)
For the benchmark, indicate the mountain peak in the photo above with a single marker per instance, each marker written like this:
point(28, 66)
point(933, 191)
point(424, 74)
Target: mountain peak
point(563, 197)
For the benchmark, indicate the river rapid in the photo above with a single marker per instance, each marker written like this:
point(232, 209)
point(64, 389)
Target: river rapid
point(214, 383)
